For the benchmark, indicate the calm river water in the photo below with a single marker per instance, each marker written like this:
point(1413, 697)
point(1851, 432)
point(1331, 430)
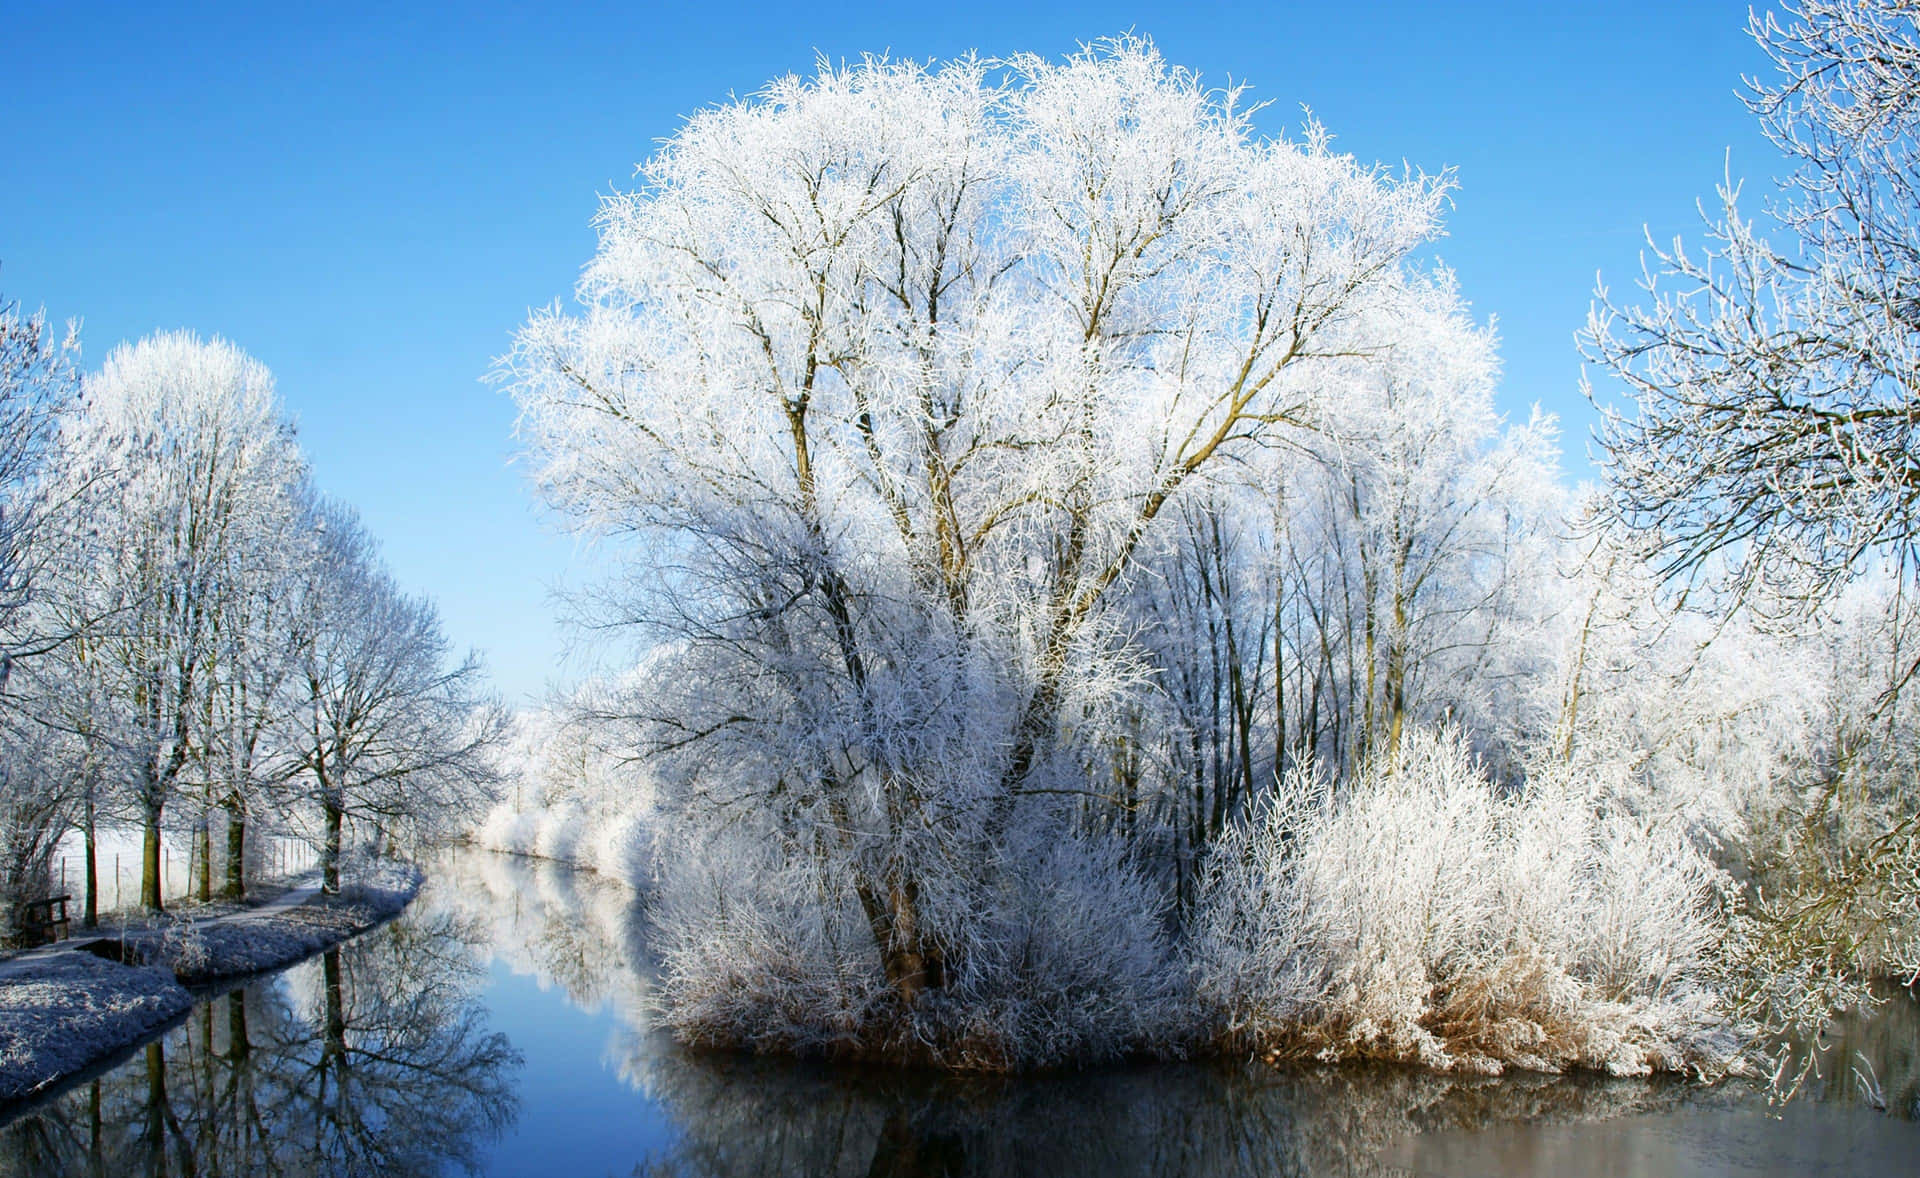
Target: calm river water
point(500, 1028)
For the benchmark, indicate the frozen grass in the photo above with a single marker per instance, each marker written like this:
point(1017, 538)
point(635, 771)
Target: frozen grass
point(61, 1011)
point(213, 943)
point(1422, 916)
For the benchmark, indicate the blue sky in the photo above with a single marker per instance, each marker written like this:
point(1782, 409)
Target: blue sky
point(370, 201)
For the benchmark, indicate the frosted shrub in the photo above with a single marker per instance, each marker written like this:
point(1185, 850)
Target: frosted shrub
point(1420, 915)
point(614, 843)
point(575, 799)
point(756, 954)
point(508, 829)
point(183, 947)
point(1072, 963)
point(561, 832)
point(1064, 959)
point(620, 847)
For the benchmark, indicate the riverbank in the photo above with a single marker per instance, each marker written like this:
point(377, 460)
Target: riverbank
point(64, 1006)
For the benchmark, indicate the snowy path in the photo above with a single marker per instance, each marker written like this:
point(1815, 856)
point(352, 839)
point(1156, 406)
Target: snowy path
point(30, 960)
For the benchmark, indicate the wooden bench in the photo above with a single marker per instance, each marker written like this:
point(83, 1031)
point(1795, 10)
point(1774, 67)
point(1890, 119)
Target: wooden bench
point(38, 923)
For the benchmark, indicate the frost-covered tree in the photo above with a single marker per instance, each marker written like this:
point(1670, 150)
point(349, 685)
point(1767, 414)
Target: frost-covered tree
point(896, 372)
point(1773, 453)
point(1394, 568)
point(171, 611)
point(385, 727)
point(1778, 382)
point(573, 793)
point(39, 382)
point(245, 757)
point(189, 437)
point(1426, 530)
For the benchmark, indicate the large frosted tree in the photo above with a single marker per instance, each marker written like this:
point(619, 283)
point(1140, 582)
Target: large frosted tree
point(892, 372)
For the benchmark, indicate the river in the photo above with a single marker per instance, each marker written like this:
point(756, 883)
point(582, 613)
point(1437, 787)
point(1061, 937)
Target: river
point(499, 1027)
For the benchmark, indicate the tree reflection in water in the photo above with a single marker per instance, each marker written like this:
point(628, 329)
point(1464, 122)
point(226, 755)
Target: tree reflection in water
point(374, 1059)
point(744, 1117)
point(1875, 1056)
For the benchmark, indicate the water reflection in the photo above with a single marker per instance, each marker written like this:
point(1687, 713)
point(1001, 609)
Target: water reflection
point(1873, 1058)
point(387, 1057)
point(373, 1059)
point(573, 929)
point(733, 1115)
point(745, 1117)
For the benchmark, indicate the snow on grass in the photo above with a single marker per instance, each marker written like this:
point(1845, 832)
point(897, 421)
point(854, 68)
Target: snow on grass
point(202, 949)
point(61, 1011)
point(65, 1007)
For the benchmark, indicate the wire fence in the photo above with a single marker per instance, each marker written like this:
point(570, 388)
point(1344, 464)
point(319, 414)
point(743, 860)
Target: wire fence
point(117, 868)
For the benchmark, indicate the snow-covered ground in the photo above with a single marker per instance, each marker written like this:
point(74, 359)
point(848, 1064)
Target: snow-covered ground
point(62, 1007)
point(61, 1011)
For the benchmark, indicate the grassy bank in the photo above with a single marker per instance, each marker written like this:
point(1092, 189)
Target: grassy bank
point(65, 1006)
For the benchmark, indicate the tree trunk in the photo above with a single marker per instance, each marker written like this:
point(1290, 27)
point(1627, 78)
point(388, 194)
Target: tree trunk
point(150, 862)
point(1570, 714)
point(1396, 680)
point(92, 917)
point(203, 851)
point(330, 852)
point(236, 865)
point(1397, 654)
point(1279, 687)
point(894, 919)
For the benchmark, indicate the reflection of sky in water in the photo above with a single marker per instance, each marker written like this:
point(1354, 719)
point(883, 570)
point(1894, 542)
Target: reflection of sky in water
point(576, 1115)
point(1805, 1138)
point(500, 1024)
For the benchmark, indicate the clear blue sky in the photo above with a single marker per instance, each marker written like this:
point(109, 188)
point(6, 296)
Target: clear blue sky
point(370, 202)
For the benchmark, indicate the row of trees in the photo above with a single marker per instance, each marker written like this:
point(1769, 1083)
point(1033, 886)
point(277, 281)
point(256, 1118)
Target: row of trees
point(194, 639)
point(1038, 483)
